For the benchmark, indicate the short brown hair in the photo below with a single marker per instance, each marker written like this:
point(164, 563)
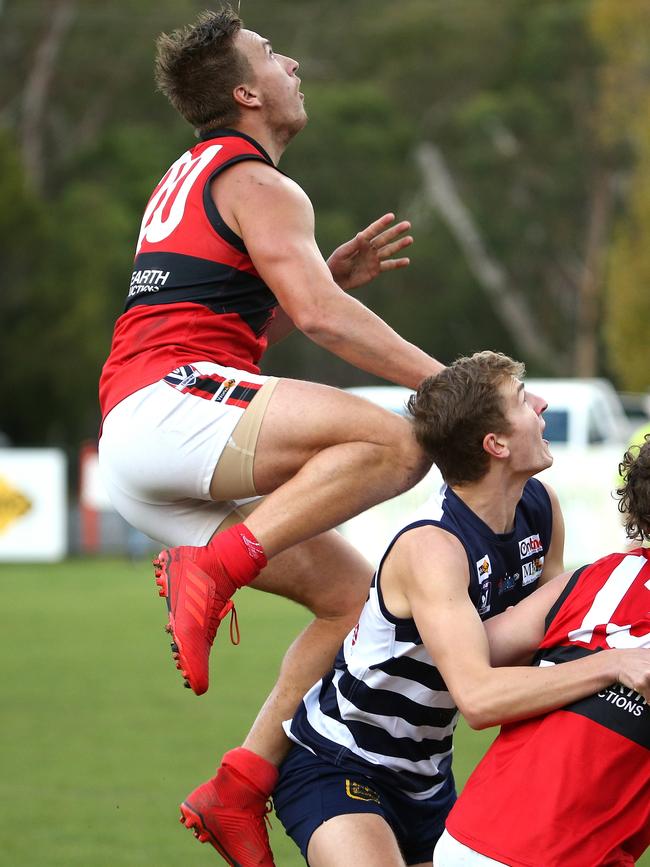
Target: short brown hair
point(198, 67)
point(454, 410)
point(634, 493)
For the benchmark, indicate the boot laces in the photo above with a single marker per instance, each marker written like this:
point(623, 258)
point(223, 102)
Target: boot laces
point(268, 809)
point(217, 616)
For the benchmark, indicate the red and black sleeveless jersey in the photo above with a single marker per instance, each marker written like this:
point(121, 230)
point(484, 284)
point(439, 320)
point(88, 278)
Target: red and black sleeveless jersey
point(195, 294)
point(572, 787)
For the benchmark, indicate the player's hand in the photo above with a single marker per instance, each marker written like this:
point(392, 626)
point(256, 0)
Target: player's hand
point(370, 253)
point(634, 670)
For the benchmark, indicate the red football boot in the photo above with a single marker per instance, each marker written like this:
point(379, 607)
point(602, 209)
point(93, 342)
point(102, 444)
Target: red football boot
point(197, 602)
point(230, 815)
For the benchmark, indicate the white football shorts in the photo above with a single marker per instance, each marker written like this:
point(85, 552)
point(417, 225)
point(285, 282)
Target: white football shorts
point(159, 448)
point(449, 852)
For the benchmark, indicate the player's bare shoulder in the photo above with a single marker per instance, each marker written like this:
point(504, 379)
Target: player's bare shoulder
point(424, 562)
point(425, 540)
point(253, 190)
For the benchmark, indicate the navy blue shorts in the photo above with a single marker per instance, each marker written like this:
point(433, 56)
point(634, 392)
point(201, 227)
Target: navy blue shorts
point(310, 791)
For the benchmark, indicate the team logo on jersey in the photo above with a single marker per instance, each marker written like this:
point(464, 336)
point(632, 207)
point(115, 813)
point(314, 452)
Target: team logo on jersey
point(508, 582)
point(355, 634)
point(360, 792)
point(530, 545)
point(483, 568)
point(485, 597)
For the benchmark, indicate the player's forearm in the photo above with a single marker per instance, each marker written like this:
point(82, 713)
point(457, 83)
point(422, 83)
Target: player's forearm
point(349, 330)
point(509, 694)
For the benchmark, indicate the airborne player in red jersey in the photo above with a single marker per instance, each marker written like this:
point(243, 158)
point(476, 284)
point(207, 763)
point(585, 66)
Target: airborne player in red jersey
point(193, 433)
point(570, 788)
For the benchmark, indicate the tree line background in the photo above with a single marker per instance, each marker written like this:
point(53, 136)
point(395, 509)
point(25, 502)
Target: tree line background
point(514, 134)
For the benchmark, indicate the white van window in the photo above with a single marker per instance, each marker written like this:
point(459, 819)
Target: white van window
point(557, 425)
point(594, 430)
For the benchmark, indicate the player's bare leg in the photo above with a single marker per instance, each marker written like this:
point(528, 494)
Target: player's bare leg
point(322, 456)
point(364, 838)
point(330, 577)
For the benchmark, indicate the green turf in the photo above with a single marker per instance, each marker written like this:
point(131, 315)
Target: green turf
point(99, 741)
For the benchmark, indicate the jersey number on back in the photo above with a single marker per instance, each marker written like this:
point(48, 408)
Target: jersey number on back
point(167, 205)
point(605, 603)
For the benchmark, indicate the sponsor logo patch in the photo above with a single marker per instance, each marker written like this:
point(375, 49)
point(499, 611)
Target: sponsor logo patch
point(626, 700)
point(360, 792)
point(529, 546)
point(532, 570)
point(508, 582)
point(485, 597)
point(483, 568)
point(223, 391)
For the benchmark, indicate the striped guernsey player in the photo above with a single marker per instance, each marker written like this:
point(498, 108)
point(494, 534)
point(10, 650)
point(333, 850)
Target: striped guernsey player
point(370, 772)
point(585, 767)
point(226, 263)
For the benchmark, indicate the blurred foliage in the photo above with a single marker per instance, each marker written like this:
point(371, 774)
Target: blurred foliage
point(521, 97)
point(623, 29)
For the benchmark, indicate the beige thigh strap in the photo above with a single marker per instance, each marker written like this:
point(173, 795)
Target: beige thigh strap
point(238, 515)
point(233, 476)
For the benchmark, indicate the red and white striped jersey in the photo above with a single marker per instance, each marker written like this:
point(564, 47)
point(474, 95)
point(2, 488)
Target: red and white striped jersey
point(572, 787)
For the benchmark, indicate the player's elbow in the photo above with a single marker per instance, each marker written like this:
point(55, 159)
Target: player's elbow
point(477, 711)
point(477, 720)
point(310, 321)
point(315, 324)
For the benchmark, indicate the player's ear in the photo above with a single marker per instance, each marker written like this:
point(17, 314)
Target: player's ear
point(496, 446)
point(246, 95)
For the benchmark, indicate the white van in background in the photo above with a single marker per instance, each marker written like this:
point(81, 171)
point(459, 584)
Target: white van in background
point(582, 412)
point(588, 431)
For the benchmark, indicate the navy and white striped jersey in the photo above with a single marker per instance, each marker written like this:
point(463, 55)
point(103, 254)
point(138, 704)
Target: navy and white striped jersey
point(384, 710)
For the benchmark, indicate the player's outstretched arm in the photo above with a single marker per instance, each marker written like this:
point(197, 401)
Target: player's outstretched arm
point(515, 635)
point(276, 221)
point(431, 567)
point(357, 262)
point(371, 252)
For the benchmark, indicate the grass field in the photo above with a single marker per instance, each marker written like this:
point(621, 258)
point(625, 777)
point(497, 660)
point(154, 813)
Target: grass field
point(99, 741)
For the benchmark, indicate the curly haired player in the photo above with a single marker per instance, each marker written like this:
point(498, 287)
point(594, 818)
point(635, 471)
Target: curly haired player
point(586, 766)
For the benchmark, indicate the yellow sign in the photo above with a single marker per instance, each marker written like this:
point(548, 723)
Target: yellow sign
point(13, 504)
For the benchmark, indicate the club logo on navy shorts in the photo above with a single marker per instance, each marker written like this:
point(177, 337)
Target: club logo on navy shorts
point(360, 792)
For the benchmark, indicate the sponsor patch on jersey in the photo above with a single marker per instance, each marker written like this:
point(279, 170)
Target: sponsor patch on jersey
point(360, 792)
point(529, 546)
point(484, 597)
point(626, 700)
point(508, 582)
point(483, 568)
point(532, 570)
